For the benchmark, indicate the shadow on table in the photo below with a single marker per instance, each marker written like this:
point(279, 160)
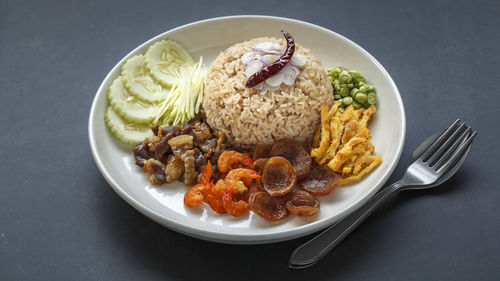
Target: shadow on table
point(164, 253)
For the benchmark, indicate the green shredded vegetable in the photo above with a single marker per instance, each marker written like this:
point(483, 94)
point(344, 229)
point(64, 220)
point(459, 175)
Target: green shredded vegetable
point(184, 100)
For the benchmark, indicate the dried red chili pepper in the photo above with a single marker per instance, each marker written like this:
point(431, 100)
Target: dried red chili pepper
point(275, 67)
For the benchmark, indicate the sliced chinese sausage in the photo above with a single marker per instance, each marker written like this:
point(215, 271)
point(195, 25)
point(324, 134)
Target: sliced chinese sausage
point(302, 203)
point(261, 151)
point(256, 186)
point(269, 207)
point(259, 164)
point(321, 180)
point(296, 154)
point(278, 176)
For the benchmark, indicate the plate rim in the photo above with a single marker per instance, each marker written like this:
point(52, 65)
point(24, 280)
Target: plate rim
point(292, 233)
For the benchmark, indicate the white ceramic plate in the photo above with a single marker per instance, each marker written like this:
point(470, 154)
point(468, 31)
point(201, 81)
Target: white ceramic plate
point(207, 38)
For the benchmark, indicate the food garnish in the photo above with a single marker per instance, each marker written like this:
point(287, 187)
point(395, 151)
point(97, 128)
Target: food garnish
point(268, 207)
point(275, 67)
point(268, 186)
point(278, 176)
point(164, 86)
point(250, 116)
point(233, 199)
point(126, 104)
point(154, 105)
point(229, 158)
point(166, 60)
point(351, 88)
point(345, 142)
point(184, 100)
point(259, 165)
point(140, 83)
point(181, 152)
point(229, 195)
point(302, 203)
point(126, 131)
point(261, 151)
point(295, 154)
point(321, 180)
point(264, 54)
point(195, 195)
point(213, 196)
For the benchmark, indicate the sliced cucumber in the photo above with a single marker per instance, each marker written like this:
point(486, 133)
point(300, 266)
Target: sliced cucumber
point(128, 106)
point(166, 60)
point(126, 131)
point(138, 81)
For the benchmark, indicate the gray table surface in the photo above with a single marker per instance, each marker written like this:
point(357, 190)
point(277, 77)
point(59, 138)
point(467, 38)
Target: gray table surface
point(59, 220)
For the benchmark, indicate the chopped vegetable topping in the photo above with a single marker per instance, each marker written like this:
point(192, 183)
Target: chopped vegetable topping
point(140, 97)
point(165, 59)
point(275, 67)
point(185, 98)
point(350, 87)
point(266, 53)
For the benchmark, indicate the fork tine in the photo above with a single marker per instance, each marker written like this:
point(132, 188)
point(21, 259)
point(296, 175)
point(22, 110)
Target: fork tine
point(450, 150)
point(457, 154)
point(436, 144)
point(446, 145)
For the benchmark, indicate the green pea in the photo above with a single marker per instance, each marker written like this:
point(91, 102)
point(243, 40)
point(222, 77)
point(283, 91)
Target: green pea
point(372, 98)
point(363, 89)
point(341, 109)
point(351, 88)
point(354, 74)
point(370, 88)
point(345, 77)
point(360, 97)
point(347, 101)
point(359, 79)
point(344, 92)
point(336, 85)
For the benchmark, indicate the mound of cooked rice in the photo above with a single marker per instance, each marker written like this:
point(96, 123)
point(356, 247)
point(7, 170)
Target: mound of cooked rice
point(250, 116)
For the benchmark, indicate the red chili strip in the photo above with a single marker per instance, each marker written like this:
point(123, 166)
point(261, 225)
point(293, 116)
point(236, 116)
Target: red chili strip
point(270, 70)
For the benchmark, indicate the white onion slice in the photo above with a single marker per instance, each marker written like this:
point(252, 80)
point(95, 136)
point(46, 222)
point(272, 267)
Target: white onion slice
point(274, 88)
point(275, 80)
point(265, 47)
point(249, 56)
point(268, 59)
point(298, 60)
point(277, 47)
point(252, 67)
point(265, 53)
point(290, 73)
point(259, 86)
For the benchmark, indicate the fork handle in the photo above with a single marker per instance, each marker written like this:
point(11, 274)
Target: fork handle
point(313, 250)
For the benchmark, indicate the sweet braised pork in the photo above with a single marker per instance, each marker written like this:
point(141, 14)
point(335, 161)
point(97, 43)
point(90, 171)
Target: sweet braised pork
point(179, 152)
